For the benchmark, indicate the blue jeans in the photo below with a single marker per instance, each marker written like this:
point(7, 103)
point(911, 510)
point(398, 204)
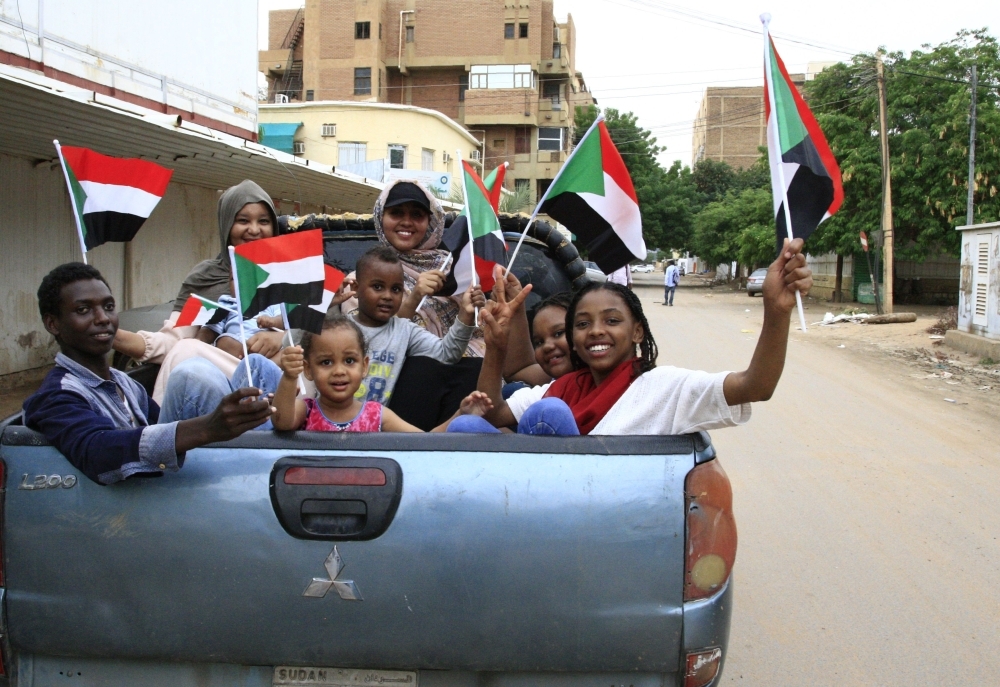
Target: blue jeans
point(549, 416)
point(668, 295)
point(196, 387)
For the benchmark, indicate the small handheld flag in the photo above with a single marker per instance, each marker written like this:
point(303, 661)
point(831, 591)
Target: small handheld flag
point(283, 269)
point(111, 197)
point(310, 317)
point(494, 184)
point(198, 311)
point(805, 178)
point(593, 196)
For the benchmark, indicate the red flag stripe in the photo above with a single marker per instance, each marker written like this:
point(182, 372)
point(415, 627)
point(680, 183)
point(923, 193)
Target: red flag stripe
point(614, 166)
point(333, 278)
point(102, 169)
point(476, 179)
point(815, 132)
point(497, 190)
point(304, 244)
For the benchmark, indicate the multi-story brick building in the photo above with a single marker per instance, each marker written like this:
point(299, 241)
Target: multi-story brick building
point(730, 125)
point(504, 69)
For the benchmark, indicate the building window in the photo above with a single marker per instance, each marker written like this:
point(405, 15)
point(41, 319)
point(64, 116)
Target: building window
point(499, 143)
point(397, 156)
point(550, 90)
point(556, 50)
point(502, 76)
point(524, 31)
point(310, 94)
point(362, 81)
point(362, 30)
point(522, 140)
point(521, 185)
point(550, 138)
point(351, 153)
point(508, 31)
point(463, 86)
point(543, 186)
point(427, 160)
point(409, 34)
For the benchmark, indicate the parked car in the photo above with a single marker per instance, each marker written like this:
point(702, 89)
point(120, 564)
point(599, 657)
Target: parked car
point(755, 282)
point(594, 272)
point(641, 269)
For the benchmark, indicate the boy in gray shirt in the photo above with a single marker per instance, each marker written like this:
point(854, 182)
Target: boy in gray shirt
point(390, 339)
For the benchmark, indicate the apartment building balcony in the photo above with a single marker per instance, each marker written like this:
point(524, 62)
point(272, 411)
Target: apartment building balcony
point(516, 106)
point(556, 66)
point(274, 62)
point(553, 112)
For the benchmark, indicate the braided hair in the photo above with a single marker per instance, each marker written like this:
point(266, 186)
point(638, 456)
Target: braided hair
point(334, 322)
point(555, 300)
point(647, 347)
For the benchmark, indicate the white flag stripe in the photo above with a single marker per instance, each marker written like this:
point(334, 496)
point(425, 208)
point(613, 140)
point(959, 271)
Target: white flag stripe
point(301, 271)
point(622, 213)
point(774, 161)
point(114, 198)
point(203, 316)
point(463, 270)
point(324, 305)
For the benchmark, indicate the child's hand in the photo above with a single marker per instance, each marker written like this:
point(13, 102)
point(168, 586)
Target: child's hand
point(786, 275)
point(264, 343)
point(429, 283)
point(292, 361)
point(476, 403)
point(347, 290)
point(270, 322)
point(510, 285)
point(472, 298)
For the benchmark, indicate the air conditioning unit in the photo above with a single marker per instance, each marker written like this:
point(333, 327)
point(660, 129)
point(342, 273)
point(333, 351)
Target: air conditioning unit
point(329, 130)
point(476, 155)
point(446, 158)
point(299, 148)
point(280, 98)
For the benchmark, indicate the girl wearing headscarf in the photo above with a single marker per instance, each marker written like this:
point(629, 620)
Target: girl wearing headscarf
point(246, 214)
point(410, 220)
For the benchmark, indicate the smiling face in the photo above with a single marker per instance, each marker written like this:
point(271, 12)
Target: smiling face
point(337, 364)
point(604, 332)
point(87, 321)
point(380, 292)
point(548, 338)
point(405, 226)
point(252, 222)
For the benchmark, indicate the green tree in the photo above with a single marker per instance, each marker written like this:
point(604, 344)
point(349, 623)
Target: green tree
point(738, 227)
point(928, 97)
point(667, 198)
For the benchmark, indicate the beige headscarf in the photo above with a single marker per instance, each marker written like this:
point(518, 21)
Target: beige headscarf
point(210, 278)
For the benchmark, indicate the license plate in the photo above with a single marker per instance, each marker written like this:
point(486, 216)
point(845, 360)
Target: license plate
point(295, 676)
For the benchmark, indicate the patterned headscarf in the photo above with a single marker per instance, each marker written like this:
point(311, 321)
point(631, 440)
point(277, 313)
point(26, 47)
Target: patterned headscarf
point(438, 313)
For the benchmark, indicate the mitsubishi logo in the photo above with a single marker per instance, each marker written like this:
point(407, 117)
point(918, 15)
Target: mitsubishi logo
point(319, 586)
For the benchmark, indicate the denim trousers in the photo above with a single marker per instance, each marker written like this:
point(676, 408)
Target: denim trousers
point(549, 416)
point(668, 294)
point(196, 387)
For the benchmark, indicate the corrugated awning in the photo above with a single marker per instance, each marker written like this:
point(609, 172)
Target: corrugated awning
point(279, 135)
point(35, 110)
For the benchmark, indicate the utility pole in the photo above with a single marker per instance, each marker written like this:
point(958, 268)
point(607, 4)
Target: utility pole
point(972, 149)
point(886, 187)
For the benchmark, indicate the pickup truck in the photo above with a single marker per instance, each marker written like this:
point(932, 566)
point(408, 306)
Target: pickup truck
point(445, 560)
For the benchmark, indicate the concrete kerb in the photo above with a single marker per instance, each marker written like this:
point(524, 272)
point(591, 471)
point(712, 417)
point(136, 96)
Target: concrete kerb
point(972, 344)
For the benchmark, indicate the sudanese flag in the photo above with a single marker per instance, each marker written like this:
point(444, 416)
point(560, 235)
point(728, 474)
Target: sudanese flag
point(283, 269)
point(803, 170)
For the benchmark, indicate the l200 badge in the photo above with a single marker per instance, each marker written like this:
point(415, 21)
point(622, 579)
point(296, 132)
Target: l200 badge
point(319, 586)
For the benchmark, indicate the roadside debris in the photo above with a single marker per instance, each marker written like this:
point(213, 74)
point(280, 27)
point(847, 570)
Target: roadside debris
point(892, 318)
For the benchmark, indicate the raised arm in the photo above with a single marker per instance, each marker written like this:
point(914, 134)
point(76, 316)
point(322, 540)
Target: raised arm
point(786, 275)
point(519, 364)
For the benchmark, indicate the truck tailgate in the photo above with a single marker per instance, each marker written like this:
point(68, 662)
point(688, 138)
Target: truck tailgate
point(506, 553)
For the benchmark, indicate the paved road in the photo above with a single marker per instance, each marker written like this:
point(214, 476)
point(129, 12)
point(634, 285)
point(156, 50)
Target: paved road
point(868, 513)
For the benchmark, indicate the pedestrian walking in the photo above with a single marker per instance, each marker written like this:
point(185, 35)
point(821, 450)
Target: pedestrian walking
point(670, 280)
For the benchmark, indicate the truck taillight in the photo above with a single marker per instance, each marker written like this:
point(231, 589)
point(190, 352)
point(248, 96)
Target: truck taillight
point(702, 667)
point(711, 531)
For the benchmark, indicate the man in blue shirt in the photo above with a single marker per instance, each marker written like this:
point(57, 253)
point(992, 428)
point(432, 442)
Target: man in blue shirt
point(670, 280)
point(98, 417)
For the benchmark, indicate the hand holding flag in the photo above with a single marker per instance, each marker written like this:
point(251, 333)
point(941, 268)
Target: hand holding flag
point(198, 311)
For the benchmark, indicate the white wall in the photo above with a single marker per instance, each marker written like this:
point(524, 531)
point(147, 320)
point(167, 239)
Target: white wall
point(38, 233)
point(206, 51)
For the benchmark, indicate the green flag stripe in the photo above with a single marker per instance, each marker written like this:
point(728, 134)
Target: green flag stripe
point(79, 197)
point(791, 129)
point(250, 276)
point(484, 220)
point(584, 173)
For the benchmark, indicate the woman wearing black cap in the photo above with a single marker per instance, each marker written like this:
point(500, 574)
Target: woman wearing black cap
point(410, 220)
